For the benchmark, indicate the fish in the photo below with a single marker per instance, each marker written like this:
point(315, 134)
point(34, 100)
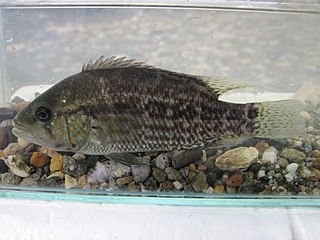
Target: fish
point(118, 106)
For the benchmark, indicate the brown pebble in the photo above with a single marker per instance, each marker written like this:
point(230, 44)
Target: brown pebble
point(192, 167)
point(132, 187)
point(262, 146)
point(166, 185)
point(21, 105)
point(219, 188)
point(202, 167)
point(2, 154)
point(124, 180)
point(316, 163)
point(234, 180)
point(316, 153)
point(39, 159)
point(56, 163)
point(82, 180)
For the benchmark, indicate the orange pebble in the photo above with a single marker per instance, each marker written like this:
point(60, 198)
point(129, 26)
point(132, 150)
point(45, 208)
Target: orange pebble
point(39, 159)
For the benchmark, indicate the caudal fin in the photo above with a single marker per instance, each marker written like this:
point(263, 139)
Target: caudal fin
point(279, 119)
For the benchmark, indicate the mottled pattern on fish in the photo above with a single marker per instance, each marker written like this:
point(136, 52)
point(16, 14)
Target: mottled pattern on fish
point(149, 109)
point(118, 105)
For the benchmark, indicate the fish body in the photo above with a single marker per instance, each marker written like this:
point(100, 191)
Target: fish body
point(117, 105)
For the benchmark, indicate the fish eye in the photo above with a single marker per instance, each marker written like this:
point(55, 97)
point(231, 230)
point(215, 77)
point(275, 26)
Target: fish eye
point(43, 114)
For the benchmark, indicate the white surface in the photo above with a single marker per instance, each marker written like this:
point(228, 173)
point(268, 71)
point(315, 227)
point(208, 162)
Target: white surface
point(25, 219)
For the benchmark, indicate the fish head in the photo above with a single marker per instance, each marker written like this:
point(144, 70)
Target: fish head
point(46, 123)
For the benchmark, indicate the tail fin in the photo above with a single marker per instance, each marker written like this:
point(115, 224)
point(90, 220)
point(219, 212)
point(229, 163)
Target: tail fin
point(279, 119)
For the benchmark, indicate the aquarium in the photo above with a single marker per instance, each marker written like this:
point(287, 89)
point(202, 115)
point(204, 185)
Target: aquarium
point(242, 78)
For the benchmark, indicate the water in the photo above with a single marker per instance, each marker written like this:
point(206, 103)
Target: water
point(277, 51)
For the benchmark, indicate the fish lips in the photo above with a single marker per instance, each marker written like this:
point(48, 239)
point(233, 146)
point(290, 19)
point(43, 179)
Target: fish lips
point(19, 131)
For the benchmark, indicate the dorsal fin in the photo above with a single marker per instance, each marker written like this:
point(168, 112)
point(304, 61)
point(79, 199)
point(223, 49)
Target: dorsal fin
point(221, 85)
point(112, 63)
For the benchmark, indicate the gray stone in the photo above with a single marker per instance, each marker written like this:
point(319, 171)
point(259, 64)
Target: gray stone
point(140, 172)
point(159, 174)
point(173, 174)
point(73, 167)
point(237, 159)
point(162, 161)
point(292, 168)
point(10, 179)
point(183, 158)
point(151, 184)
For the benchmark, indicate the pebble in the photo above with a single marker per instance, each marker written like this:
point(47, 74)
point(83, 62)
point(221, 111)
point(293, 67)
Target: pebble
point(3, 166)
point(192, 167)
point(162, 161)
point(219, 188)
point(2, 154)
point(17, 166)
point(57, 175)
point(98, 174)
point(173, 174)
point(79, 156)
point(166, 185)
point(289, 177)
point(270, 155)
point(116, 169)
point(261, 174)
point(230, 190)
point(293, 155)
point(255, 167)
point(202, 167)
point(159, 174)
point(304, 172)
point(9, 178)
point(39, 159)
point(132, 187)
point(73, 167)
point(199, 182)
point(316, 163)
point(316, 191)
point(177, 185)
point(261, 146)
point(282, 162)
point(234, 180)
point(140, 172)
point(48, 151)
point(316, 172)
point(209, 190)
point(69, 181)
point(151, 184)
point(13, 148)
point(56, 163)
point(237, 159)
point(191, 175)
point(82, 181)
point(124, 180)
point(184, 158)
point(292, 168)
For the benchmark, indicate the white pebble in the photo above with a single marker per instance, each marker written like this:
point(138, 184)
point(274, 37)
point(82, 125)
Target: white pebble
point(209, 190)
point(17, 166)
point(269, 156)
point(177, 185)
point(292, 168)
point(79, 156)
point(289, 177)
point(261, 173)
point(70, 182)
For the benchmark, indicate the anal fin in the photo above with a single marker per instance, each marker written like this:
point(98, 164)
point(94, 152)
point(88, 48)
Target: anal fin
point(127, 159)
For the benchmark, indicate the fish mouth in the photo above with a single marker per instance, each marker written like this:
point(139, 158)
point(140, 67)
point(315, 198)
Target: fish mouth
point(20, 131)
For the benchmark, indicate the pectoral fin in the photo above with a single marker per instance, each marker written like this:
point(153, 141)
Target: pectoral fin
point(127, 159)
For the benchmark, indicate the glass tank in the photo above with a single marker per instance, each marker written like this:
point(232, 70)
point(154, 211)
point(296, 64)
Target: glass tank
point(187, 103)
